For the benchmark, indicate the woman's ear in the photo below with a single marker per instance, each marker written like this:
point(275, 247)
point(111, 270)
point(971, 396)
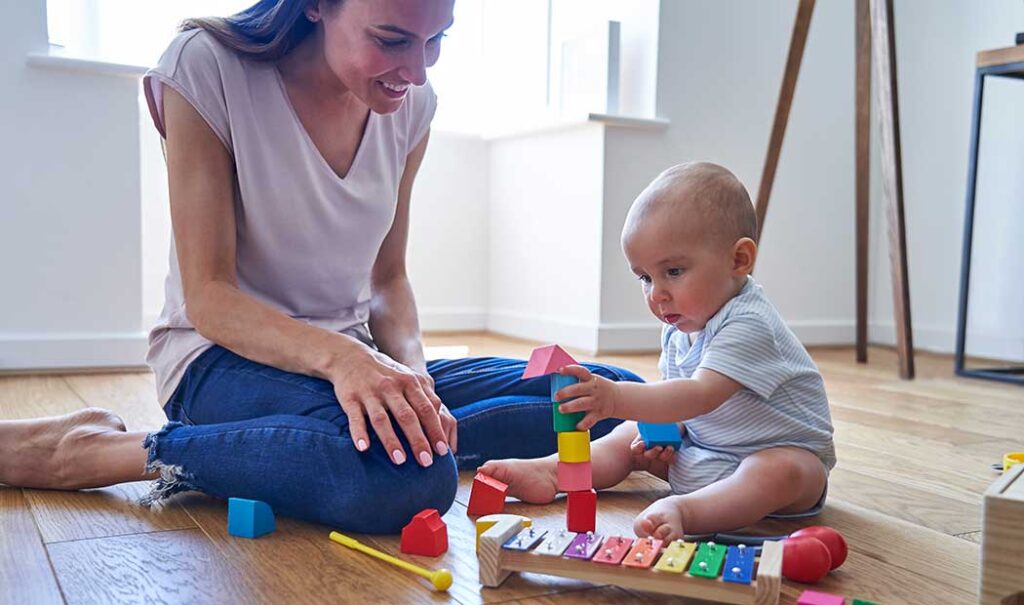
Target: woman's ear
point(313, 11)
point(744, 255)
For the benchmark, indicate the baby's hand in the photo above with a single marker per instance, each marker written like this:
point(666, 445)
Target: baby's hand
point(595, 395)
point(643, 457)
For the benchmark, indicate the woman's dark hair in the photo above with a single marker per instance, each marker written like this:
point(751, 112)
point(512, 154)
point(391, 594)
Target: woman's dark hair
point(265, 31)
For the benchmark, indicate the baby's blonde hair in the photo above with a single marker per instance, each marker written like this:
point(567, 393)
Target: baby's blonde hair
point(698, 191)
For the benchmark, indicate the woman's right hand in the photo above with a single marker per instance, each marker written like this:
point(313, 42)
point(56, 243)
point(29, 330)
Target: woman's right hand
point(370, 385)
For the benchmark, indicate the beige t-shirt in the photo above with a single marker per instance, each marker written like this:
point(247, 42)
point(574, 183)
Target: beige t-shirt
point(306, 239)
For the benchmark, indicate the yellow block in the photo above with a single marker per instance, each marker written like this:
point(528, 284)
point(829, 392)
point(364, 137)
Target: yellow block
point(676, 556)
point(488, 521)
point(574, 446)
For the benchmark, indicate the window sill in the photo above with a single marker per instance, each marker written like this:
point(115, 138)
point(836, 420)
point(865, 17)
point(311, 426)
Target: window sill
point(543, 126)
point(60, 59)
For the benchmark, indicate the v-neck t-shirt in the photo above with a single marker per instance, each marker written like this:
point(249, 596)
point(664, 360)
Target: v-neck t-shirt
point(305, 238)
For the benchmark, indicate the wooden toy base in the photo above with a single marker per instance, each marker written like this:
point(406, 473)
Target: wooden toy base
point(497, 563)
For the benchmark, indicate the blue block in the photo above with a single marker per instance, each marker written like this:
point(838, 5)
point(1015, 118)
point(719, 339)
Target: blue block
point(739, 565)
point(249, 518)
point(559, 382)
point(660, 435)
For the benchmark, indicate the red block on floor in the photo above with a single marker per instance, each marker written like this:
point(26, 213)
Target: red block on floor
point(487, 496)
point(809, 597)
point(425, 535)
point(575, 476)
point(581, 513)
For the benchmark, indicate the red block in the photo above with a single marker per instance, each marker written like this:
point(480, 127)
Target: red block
point(425, 535)
point(581, 513)
point(487, 497)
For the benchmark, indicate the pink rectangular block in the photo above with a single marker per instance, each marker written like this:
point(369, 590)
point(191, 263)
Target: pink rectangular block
point(575, 476)
point(810, 597)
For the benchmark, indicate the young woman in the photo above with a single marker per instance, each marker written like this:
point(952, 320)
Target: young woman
point(288, 355)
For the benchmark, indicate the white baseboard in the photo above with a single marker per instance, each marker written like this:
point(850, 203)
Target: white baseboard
point(73, 350)
point(942, 339)
point(577, 335)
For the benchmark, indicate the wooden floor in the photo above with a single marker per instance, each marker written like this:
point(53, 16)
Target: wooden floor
point(914, 458)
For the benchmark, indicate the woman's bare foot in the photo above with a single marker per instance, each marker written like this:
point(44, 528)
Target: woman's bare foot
point(50, 452)
point(534, 481)
point(663, 519)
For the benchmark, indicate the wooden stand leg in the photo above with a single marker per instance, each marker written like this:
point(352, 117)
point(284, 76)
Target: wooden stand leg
point(863, 170)
point(801, 26)
point(884, 60)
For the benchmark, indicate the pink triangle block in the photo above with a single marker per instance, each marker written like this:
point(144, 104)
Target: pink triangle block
point(547, 360)
point(810, 597)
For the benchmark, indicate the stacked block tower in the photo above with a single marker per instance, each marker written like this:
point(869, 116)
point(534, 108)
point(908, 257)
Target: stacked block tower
point(574, 472)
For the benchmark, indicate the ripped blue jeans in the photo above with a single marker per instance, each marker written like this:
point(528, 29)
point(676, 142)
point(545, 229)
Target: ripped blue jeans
point(243, 429)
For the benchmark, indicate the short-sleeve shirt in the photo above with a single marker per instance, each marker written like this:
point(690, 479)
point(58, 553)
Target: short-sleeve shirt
point(783, 400)
point(306, 239)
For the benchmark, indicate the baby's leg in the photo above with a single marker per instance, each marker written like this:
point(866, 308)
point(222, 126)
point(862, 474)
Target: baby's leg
point(536, 480)
point(776, 480)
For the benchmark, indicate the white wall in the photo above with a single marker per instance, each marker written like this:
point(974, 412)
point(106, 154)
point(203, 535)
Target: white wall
point(69, 208)
point(936, 45)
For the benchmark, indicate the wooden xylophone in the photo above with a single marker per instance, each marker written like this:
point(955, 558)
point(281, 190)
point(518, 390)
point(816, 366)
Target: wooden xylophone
point(705, 571)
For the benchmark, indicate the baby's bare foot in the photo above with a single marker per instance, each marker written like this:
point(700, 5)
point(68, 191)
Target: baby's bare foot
point(663, 519)
point(39, 452)
point(534, 481)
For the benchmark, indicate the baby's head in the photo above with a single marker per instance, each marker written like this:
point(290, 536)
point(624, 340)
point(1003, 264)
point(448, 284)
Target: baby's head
point(689, 237)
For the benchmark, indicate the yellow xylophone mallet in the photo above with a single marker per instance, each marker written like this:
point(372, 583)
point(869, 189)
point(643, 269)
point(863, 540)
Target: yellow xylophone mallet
point(441, 579)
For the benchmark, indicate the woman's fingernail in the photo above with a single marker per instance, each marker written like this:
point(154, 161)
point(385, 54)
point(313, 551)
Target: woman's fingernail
point(425, 459)
point(398, 456)
point(441, 448)
point(361, 446)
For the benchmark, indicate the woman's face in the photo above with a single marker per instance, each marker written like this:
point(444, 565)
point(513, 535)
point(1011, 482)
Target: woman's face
point(378, 48)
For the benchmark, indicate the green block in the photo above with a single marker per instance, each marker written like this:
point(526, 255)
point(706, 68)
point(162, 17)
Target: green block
point(563, 423)
point(862, 602)
point(707, 563)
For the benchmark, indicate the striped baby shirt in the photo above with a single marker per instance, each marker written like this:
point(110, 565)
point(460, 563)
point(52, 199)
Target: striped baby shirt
point(782, 402)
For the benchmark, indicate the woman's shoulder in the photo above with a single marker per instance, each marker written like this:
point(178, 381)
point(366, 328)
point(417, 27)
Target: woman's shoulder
point(196, 50)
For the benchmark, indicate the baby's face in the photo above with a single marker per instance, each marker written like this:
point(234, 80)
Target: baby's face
point(685, 274)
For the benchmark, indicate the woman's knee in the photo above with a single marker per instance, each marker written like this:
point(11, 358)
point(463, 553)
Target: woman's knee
point(613, 372)
point(382, 497)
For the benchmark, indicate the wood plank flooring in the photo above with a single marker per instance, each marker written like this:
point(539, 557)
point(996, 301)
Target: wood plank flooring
point(914, 458)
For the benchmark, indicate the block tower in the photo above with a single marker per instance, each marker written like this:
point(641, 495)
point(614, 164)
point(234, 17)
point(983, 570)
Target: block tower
point(574, 472)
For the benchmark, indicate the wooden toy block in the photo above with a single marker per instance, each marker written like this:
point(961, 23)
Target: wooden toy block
point(584, 546)
point(707, 563)
point(496, 563)
point(862, 602)
point(1002, 540)
point(810, 597)
point(425, 535)
point(575, 477)
point(660, 435)
point(581, 512)
point(739, 565)
point(249, 518)
point(547, 360)
point(676, 556)
point(645, 551)
point(613, 551)
point(487, 522)
point(564, 422)
point(487, 496)
point(489, 547)
point(574, 446)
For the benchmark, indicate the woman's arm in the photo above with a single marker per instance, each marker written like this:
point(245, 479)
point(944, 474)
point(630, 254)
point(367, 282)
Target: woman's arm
point(393, 319)
point(201, 180)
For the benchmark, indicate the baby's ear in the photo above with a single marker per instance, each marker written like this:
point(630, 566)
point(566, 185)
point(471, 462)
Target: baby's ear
point(744, 255)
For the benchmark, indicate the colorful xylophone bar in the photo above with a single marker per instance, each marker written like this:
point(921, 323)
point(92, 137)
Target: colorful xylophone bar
point(710, 571)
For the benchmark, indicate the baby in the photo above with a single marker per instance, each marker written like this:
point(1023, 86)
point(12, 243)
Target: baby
point(749, 402)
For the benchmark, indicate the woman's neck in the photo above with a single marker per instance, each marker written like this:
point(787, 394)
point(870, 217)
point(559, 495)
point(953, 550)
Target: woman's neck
point(305, 67)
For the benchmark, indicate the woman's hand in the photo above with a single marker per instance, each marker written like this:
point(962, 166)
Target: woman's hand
point(595, 395)
point(370, 385)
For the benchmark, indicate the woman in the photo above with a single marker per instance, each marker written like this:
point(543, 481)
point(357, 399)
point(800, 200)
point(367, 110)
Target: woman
point(288, 355)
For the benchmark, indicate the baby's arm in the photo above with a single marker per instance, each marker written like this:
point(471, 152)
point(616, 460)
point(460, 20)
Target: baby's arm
point(672, 400)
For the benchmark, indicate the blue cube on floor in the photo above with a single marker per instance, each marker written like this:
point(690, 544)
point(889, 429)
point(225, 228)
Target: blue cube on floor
point(249, 518)
point(660, 435)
